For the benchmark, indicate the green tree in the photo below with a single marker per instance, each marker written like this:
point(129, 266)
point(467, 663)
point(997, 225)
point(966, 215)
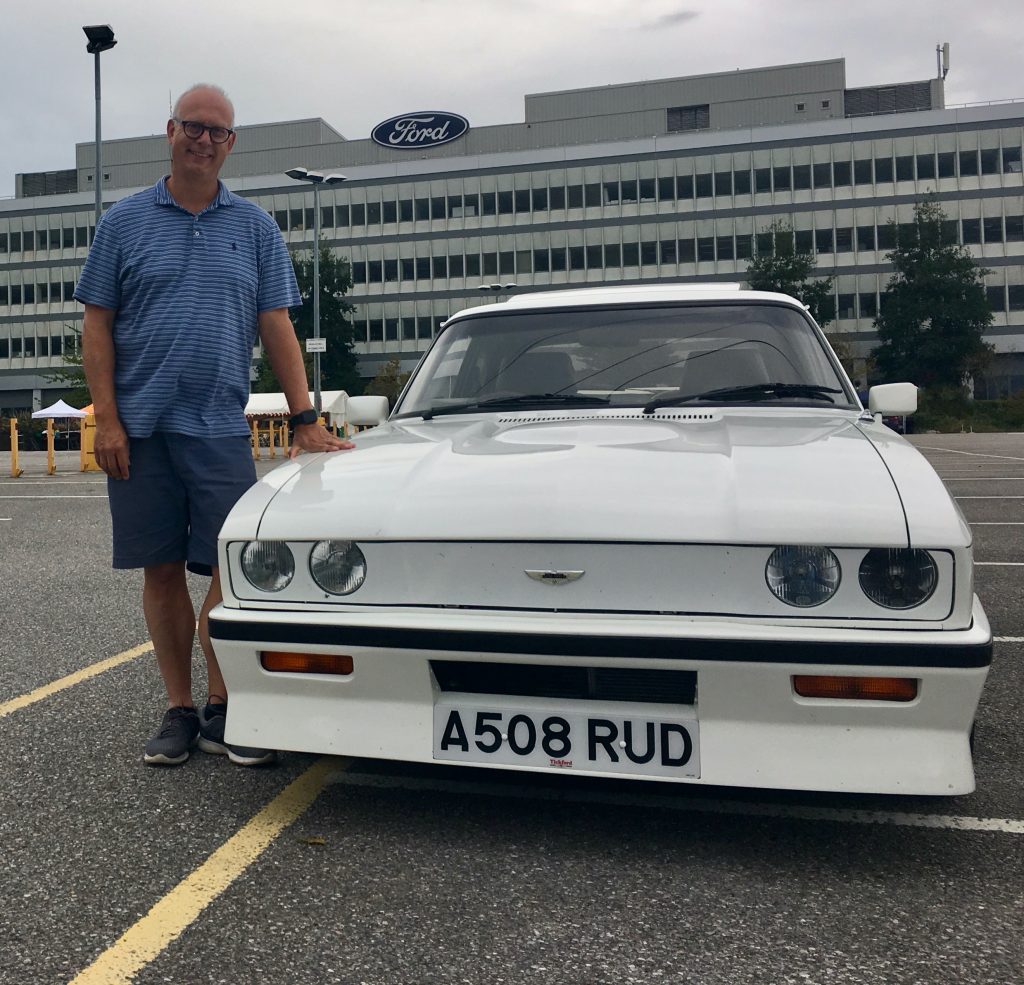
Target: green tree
point(71, 374)
point(388, 382)
point(933, 315)
point(787, 270)
point(339, 365)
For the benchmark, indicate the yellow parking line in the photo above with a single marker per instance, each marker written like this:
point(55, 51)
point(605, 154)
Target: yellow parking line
point(77, 677)
point(172, 915)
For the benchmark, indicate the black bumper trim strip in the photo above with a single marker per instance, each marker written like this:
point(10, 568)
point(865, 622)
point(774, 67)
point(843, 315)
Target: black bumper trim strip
point(625, 647)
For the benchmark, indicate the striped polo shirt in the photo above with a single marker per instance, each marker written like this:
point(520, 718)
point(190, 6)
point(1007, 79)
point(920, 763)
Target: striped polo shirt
point(187, 290)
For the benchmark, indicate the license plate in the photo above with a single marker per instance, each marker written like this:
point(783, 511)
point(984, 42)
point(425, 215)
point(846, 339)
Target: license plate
point(533, 737)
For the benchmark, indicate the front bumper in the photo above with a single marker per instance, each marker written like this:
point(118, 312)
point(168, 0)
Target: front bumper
point(754, 730)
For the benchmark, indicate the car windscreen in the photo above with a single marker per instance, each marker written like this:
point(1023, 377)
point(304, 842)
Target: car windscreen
point(627, 357)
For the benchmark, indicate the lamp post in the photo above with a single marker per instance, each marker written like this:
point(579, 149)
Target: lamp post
point(101, 38)
point(316, 179)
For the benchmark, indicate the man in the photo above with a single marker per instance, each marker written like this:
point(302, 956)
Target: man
point(179, 281)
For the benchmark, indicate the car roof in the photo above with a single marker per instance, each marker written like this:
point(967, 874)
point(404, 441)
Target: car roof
point(632, 294)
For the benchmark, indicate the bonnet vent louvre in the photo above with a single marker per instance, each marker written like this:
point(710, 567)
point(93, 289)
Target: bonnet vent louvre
point(690, 416)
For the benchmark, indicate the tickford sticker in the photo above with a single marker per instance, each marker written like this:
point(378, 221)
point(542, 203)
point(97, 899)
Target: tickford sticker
point(409, 131)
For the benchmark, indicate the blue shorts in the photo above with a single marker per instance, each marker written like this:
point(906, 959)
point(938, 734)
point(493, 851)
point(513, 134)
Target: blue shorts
point(177, 495)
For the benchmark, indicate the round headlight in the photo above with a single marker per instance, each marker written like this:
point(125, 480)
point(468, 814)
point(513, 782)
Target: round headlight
point(898, 578)
point(337, 566)
point(803, 576)
point(268, 564)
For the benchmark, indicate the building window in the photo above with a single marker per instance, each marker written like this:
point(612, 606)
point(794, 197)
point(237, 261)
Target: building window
point(612, 255)
point(970, 230)
point(826, 104)
point(666, 189)
point(868, 304)
point(682, 118)
point(631, 254)
point(522, 200)
point(990, 161)
point(800, 107)
point(968, 163)
point(822, 175)
point(592, 194)
point(844, 240)
point(724, 248)
point(358, 212)
point(556, 197)
point(823, 240)
point(846, 306)
point(862, 172)
point(372, 214)
point(541, 261)
point(782, 178)
point(539, 199)
point(865, 238)
point(741, 182)
point(996, 298)
point(389, 211)
point(594, 257)
point(686, 251)
point(575, 196)
point(993, 229)
point(668, 251)
point(841, 172)
point(1011, 160)
point(801, 177)
point(1016, 297)
point(762, 179)
point(649, 253)
point(1014, 228)
point(684, 186)
point(704, 186)
point(883, 168)
point(925, 166)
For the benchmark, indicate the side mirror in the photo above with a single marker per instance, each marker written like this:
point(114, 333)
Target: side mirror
point(893, 399)
point(366, 411)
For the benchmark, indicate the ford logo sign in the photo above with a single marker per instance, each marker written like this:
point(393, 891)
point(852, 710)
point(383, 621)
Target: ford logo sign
point(412, 130)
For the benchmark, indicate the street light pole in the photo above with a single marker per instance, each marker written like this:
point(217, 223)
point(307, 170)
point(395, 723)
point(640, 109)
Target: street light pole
point(101, 38)
point(316, 180)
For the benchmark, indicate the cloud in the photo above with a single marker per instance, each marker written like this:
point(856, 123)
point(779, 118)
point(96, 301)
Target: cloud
point(670, 20)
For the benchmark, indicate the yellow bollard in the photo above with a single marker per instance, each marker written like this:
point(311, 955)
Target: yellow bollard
point(256, 440)
point(15, 471)
point(270, 430)
point(51, 463)
point(87, 446)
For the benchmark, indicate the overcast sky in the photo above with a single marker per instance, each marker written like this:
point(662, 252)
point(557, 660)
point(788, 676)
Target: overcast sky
point(358, 62)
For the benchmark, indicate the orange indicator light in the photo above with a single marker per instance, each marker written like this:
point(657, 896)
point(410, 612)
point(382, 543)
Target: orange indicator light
point(306, 663)
point(856, 688)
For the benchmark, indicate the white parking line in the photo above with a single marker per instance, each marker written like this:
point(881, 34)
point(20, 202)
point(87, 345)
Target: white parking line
point(950, 822)
point(33, 496)
point(983, 478)
point(1008, 639)
point(999, 564)
point(972, 454)
point(988, 497)
point(995, 523)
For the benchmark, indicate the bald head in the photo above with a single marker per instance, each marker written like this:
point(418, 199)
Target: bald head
point(204, 91)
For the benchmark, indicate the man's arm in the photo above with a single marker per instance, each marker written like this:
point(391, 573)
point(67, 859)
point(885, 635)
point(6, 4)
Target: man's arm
point(98, 360)
point(278, 337)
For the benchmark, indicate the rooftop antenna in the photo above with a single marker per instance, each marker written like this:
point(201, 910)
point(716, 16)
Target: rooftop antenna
point(942, 59)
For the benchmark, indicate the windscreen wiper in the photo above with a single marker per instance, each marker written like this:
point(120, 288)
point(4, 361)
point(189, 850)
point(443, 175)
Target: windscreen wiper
point(518, 400)
point(752, 393)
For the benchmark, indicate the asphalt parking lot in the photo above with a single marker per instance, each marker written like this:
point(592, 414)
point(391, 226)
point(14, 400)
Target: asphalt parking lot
point(321, 870)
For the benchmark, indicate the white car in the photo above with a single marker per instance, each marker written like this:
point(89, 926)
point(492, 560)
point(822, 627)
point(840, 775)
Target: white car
point(643, 532)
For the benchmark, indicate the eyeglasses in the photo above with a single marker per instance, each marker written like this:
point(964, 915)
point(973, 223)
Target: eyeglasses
point(194, 130)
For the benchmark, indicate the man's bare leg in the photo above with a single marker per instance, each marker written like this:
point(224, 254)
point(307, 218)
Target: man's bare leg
point(171, 621)
point(216, 687)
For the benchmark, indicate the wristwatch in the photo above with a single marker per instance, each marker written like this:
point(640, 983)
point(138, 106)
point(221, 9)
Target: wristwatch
point(303, 417)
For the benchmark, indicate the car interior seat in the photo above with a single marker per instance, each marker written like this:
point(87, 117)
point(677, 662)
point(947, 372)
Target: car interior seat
point(726, 366)
point(537, 372)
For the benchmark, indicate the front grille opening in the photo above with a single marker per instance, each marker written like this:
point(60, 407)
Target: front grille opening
point(543, 681)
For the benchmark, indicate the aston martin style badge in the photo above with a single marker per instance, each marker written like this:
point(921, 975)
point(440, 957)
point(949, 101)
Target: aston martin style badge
point(555, 577)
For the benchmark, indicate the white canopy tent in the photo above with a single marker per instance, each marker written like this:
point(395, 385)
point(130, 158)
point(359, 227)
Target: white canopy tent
point(59, 409)
point(274, 404)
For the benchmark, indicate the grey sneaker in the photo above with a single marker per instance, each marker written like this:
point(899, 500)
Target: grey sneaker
point(211, 739)
point(178, 733)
